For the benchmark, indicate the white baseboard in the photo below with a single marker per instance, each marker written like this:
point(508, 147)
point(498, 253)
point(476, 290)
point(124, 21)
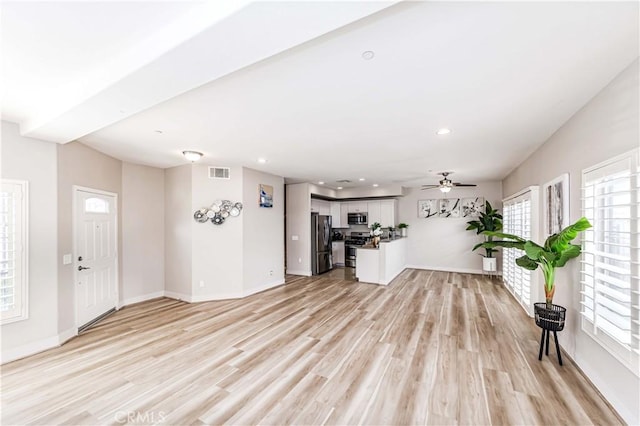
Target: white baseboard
point(37, 346)
point(299, 272)
point(264, 287)
point(448, 269)
point(178, 296)
point(143, 298)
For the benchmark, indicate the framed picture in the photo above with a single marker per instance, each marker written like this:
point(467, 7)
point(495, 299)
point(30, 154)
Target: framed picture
point(472, 207)
point(449, 207)
point(266, 195)
point(427, 208)
point(556, 204)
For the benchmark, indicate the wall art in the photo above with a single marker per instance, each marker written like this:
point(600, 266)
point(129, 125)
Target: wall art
point(556, 204)
point(427, 208)
point(218, 212)
point(266, 195)
point(449, 207)
point(472, 207)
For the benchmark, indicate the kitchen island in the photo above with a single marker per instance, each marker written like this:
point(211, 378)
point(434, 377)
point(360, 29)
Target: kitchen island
point(381, 265)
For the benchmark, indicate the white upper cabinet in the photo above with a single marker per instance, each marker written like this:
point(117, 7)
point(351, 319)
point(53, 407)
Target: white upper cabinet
point(388, 210)
point(321, 207)
point(357, 207)
point(344, 215)
point(336, 218)
point(373, 212)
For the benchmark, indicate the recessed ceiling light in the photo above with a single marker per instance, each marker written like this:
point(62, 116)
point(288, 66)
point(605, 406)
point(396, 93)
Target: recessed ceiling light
point(262, 160)
point(192, 155)
point(321, 183)
point(375, 185)
point(339, 187)
point(158, 131)
point(361, 179)
point(367, 55)
point(443, 131)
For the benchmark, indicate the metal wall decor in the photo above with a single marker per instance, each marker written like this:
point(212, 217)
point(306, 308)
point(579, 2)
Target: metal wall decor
point(218, 212)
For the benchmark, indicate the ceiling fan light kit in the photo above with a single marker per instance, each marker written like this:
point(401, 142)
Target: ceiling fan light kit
point(446, 184)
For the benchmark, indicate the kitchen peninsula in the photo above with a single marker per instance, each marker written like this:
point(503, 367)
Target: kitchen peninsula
point(381, 265)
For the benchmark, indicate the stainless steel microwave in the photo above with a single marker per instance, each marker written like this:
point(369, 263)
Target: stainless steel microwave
point(357, 218)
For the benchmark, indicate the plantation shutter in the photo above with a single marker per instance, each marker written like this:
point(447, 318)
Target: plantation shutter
point(610, 293)
point(518, 219)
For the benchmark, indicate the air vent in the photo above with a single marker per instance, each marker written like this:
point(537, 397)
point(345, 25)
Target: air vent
point(343, 181)
point(219, 173)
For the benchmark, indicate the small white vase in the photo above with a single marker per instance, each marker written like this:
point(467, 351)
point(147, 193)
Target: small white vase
point(403, 232)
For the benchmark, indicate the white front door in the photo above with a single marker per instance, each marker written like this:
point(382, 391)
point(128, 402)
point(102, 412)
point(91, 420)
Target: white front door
point(96, 258)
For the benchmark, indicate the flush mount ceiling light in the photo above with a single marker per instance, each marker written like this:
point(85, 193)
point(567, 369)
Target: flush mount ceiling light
point(262, 160)
point(339, 187)
point(368, 55)
point(361, 179)
point(192, 155)
point(321, 183)
point(443, 131)
point(375, 185)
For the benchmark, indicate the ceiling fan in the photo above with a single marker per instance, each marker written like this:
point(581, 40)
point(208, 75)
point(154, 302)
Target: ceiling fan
point(446, 184)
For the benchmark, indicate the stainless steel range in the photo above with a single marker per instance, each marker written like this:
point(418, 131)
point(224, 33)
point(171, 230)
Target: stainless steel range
point(353, 241)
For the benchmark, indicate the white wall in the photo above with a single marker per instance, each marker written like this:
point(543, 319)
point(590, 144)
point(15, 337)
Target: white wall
point(35, 161)
point(142, 233)
point(177, 230)
point(263, 233)
point(606, 126)
point(298, 224)
point(443, 243)
point(216, 249)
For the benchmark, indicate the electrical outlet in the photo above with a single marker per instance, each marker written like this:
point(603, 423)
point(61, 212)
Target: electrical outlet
point(270, 273)
point(294, 238)
point(299, 260)
point(201, 284)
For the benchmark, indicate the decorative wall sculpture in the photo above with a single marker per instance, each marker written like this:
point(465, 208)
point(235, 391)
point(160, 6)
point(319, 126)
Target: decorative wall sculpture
point(218, 212)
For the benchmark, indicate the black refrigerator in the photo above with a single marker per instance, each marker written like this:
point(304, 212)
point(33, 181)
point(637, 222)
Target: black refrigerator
point(321, 256)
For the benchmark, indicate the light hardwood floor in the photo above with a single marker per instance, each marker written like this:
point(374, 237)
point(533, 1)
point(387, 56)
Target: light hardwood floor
point(431, 348)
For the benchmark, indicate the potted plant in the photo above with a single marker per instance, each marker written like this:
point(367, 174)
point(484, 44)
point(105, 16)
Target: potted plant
point(403, 229)
point(555, 252)
point(488, 220)
point(376, 232)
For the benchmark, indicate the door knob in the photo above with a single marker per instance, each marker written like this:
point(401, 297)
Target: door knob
point(81, 268)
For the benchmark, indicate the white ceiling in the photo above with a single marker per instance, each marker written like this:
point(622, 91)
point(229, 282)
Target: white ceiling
point(286, 81)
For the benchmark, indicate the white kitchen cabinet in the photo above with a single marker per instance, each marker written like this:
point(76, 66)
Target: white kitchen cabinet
point(338, 252)
point(336, 218)
point(388, 209)
point(320, 206)
point(373, 213)
point(358, 207)
point(344, 215)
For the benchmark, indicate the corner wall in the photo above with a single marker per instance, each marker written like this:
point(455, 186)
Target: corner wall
point(142, 233)
point(177, 231)
point(298, 225)
point(606, 126)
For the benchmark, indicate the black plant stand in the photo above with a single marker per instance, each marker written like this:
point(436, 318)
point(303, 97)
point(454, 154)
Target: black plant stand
point(549, 318)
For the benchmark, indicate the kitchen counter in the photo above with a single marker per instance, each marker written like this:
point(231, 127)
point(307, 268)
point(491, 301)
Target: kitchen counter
point(381, 265)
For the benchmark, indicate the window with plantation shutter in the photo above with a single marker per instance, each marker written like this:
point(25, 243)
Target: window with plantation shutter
point(518, 220)
point(13, 250)
point(609, 276)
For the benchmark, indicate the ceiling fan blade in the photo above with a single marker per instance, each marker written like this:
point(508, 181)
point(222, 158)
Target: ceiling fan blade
point(430, 186)
point(464, 184)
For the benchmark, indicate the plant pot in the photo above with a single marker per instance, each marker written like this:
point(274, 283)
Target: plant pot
point(489, 264)
point(403, 232)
